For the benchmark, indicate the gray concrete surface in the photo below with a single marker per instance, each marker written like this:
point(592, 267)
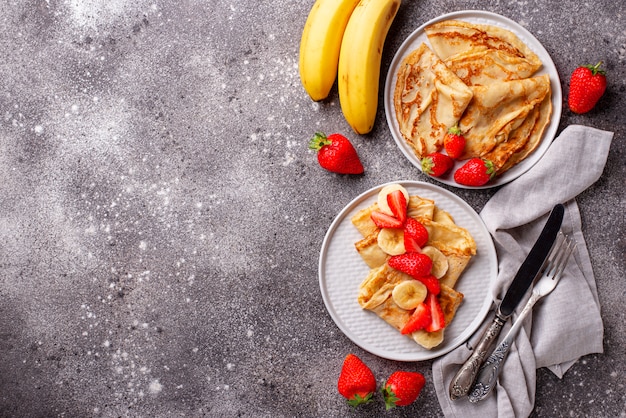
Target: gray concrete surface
point(161, 216)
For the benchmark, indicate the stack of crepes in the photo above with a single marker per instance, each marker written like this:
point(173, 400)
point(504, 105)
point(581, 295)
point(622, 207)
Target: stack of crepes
point(481, 78)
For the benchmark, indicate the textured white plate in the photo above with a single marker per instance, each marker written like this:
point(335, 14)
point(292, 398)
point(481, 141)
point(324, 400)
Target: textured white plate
point(341, 270)
point(481, 17)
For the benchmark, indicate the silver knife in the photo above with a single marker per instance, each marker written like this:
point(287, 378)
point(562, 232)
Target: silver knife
point(465, 377)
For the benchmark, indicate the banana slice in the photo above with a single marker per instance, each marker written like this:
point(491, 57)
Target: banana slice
point(391, 241)
point(382, 197)
point(440, 261)
point(408, 294)
point(428, 340)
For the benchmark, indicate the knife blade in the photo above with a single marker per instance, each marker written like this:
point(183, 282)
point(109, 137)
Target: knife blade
point(465, 377)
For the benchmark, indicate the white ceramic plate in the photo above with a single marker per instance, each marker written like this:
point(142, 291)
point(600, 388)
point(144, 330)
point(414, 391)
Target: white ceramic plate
point(481, 17)
point(341, 271)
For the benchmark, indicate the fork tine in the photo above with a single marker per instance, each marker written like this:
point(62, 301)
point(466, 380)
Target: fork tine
point(557, 247)
point(564, 256)
point(560, 255)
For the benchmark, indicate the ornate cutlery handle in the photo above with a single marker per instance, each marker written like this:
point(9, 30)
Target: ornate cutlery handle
point(465, 377)
point(488, 373)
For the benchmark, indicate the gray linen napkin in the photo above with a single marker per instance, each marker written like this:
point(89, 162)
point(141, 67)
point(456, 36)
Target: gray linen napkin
point(566, 324)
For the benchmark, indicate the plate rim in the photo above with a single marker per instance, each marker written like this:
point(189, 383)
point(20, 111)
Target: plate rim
point(484, 307)
point(548, 67)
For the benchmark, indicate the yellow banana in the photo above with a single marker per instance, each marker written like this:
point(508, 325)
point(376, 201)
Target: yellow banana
point(359, 61)
point(320, 43)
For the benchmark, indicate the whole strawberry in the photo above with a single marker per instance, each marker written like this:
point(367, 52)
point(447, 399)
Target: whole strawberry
point(356, 381)
point(454, 142)
point(335, 153)
point(587, 84)
point(402, 388)
point(436, 164)
point(475, 172)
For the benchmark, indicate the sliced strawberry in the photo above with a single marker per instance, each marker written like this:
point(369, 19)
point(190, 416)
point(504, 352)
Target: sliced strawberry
point(436, 314)
point(397, 204)
point(413, 264)
point(382, 220)
point(415, 235)
point(431, 283)
point(410, 244)
point(419, 319)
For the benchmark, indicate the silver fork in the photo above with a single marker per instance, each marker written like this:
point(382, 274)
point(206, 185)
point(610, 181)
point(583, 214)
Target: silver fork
point(557, 260)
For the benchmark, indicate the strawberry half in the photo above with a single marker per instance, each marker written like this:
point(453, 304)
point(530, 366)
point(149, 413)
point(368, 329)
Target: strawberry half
point(431, 283)
point(382, 220)
point(414, 264)
point(415, 235)
point(397, 204)
point(356, 381)
point(436, 314)
point(419, 319)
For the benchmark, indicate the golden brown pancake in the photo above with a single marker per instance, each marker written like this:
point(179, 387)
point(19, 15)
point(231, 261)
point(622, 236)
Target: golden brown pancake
point(428, 99)
point(370, 252)
point(420, 208)
point(375, 294)
point(456, 266)
point(498, 109)
point(536, 125)
point(449, 238)
point(362, 221)
point(479, 54)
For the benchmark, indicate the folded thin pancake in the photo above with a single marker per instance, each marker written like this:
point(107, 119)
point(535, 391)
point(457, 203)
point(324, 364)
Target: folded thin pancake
point(370, 252)
point(362, 221)
point(428, 99)
point(480, 54)
point(498, 109)
point(539, 123)
point(375, 294)
point(449, 238)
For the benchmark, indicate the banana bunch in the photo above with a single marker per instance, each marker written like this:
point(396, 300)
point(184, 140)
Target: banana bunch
point(343, 40)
